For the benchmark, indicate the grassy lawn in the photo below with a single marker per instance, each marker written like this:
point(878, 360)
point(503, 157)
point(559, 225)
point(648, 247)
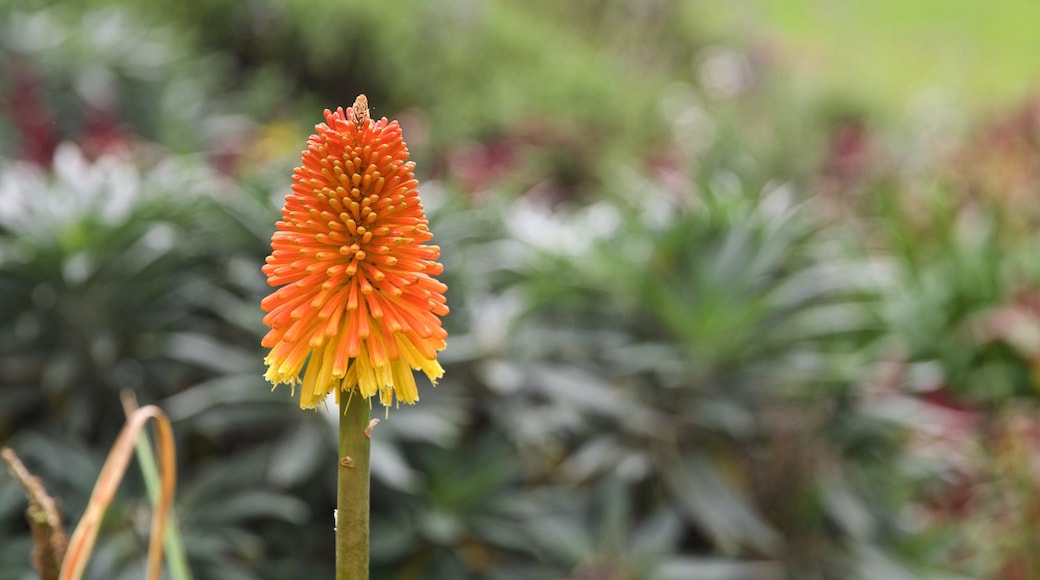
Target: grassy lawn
point(893, 53)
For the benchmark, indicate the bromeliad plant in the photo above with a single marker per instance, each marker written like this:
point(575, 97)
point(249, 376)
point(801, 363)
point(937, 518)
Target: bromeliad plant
point(358, 308)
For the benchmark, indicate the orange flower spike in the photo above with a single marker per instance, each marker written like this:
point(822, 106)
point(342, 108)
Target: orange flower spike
point(358, 307)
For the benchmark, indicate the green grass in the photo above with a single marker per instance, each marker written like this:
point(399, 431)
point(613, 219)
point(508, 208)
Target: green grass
point(894, 53)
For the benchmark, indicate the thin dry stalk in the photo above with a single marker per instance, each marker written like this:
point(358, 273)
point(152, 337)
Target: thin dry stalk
point(48, 534)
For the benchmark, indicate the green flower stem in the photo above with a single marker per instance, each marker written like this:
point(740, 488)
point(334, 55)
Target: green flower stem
point(352, 501)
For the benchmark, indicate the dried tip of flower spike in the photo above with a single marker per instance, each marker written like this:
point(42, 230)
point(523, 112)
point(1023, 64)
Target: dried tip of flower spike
point(360, 111)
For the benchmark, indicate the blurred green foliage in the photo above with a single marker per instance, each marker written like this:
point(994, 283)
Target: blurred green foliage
point(705, 323)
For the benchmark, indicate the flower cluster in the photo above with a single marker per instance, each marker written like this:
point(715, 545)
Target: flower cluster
point(358, 305)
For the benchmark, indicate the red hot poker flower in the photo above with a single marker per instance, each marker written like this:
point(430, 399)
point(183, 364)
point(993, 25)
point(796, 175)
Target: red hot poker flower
point(358, 303)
